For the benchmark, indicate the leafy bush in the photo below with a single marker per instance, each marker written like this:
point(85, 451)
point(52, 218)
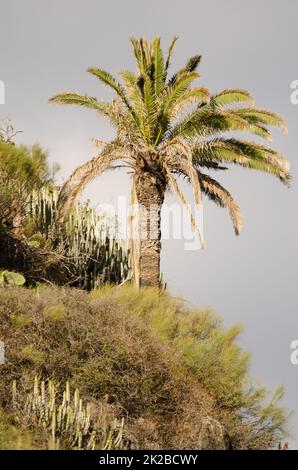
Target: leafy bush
point(22, 170)
point(161, 366)
point(209, 351)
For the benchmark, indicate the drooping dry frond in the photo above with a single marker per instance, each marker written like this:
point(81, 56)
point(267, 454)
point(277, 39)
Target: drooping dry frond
point(223, 198)
point(185, 161)
point(174, 185)
point(83, 174)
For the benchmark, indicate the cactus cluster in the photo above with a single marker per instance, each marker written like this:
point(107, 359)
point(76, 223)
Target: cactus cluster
point(65, 418)
point(83, 237)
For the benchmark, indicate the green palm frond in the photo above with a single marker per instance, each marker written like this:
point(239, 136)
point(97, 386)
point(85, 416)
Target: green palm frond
point(132, 89)
point(80, 100)
point(146, 49)
point(144, 104)
point(142, 54)
point(191, 66)
point(175, 90)
point(258, 151)
point(151, 111)
point(112, 110)
point(261, 116)
point(193, 63)
point(206, 121)
point(109, 80)
point(198, 95)
point(259, 130)
point(243, 153)
point(147, 107)
point(233, 95)
point(137, 52)
point(170, 51)
point(109, 110)
point(158, 67)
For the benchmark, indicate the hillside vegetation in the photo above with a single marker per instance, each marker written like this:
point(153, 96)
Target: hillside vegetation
point(78, 251)
point(141, 355)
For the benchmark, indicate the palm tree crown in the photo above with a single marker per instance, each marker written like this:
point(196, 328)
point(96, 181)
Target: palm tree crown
point(167, 126)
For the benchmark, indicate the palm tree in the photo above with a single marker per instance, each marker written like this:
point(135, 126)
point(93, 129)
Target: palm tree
point(167, 127)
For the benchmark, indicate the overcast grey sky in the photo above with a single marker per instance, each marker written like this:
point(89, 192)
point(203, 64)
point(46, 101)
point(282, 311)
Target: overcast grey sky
point(47, 45)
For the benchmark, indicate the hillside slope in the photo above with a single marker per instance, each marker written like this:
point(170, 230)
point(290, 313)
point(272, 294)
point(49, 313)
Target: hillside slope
point(174, 374)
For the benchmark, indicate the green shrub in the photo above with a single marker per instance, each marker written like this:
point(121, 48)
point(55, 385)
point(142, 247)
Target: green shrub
point(22, 170)
point(209, 351)
point(20, 321)
point(55, 313)
point(31, 354)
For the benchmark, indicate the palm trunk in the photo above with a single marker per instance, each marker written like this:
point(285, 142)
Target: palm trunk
point(149, 193)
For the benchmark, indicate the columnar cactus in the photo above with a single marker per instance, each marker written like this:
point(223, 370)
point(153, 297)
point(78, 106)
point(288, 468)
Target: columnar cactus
point(84, 237)
point(66, 420)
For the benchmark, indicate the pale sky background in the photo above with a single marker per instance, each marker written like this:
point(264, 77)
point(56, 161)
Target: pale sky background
point(46, 47)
